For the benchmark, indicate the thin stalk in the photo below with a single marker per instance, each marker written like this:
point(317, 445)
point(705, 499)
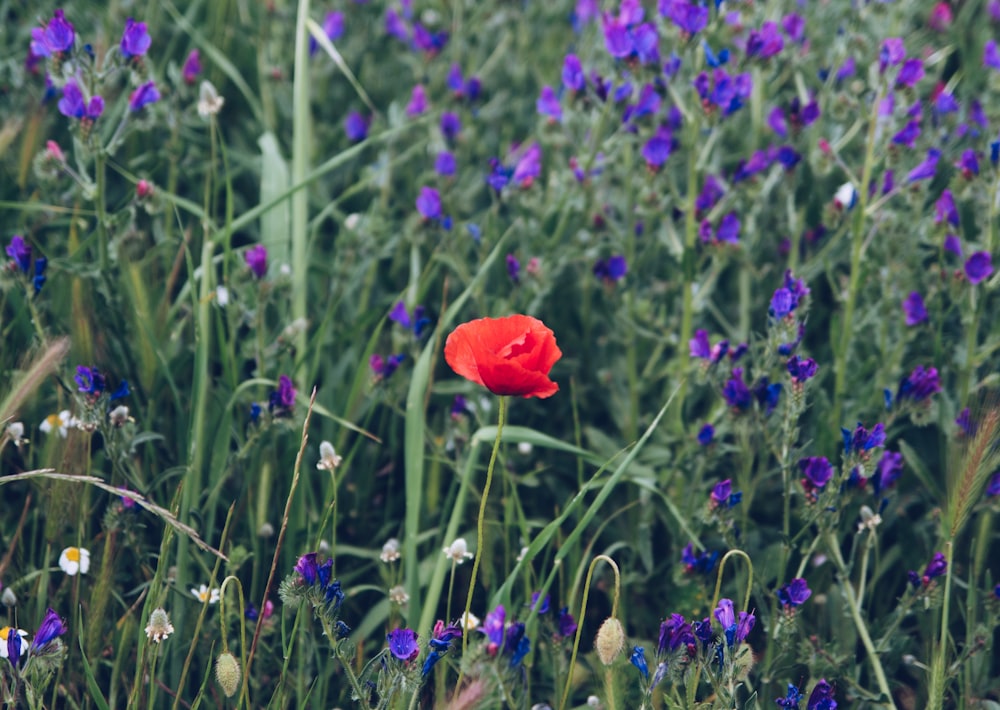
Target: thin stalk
point(859, 623)
point(857, 247)
point(479, 527)
point(301, 126)
point(935, 699)
point(687, 303)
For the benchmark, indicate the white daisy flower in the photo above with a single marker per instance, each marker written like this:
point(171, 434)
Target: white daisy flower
point(204, 594)
point(398, 595)
point(469, 621)
point(74, 561)
point(209, 101)
point(458, 551)
point(58, 422)
point(15, 432)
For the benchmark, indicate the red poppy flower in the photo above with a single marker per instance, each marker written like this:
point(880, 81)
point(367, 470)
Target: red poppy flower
point(507, 356)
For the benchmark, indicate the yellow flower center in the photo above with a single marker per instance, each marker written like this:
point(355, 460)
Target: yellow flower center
point(53, 420)
point(73, 554)
point(203, 595)
point(4, 633)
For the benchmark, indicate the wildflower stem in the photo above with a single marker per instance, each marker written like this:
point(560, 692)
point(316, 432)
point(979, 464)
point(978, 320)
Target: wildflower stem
point(281, 533)
point(718, 577)
point(859, 623)
point(935, 693)
point(857, 247)
point(583, 611)
point(479, 526)
point(687, 308)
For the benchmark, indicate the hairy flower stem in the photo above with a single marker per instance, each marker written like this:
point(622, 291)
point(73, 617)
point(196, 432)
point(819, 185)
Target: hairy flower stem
point(859, 623)
point(583, 611)
point(479, 528)
point(687, 307)
point(935, 693)
point(843, 345)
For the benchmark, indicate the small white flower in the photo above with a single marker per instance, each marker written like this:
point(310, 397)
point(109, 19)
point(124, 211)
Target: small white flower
point(390, 550)
point(352, 220)
point(458, 551)
point(285, 270)
point(869, 519)
point(119, 416)
point(845, 197)
point(222, 296)
point(8, 598)
point(470, 621)
point(398, 595)
point(593, 702)
point(522, 553)
point(5, 633)
point(74, 560)
point(209, 101)
point(328, 458)
point(524, 448)
point(15, 432)
point(159, 626)
point(204, 594)
point(58, 422)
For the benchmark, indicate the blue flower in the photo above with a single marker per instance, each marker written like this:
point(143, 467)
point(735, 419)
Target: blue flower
point(548, 105)
point(429, 203)
point(794, 594)
point(417, 322)
point(51, 628)
point(706, 434)
point(638, 659)
point(135, 39)
point(57, 36)
point(736, 393)
point(355, 127)
point(73, 105)
point(791, 700)
point(20, 252)
point(821, 698)
point(143, 96)
point(403, 644)
point(539, 608)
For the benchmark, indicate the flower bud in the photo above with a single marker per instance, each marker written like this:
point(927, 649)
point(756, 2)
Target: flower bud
point(610, 640)
point(228, 673)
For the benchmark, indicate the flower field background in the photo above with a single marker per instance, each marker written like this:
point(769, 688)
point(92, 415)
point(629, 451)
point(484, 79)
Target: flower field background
point(265, 442)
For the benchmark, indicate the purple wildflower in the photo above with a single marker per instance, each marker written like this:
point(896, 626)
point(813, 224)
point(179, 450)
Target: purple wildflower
point(403, 644)
point(794, 26)
point(529, 166)
point(991, 56)
point(978, 267)
point(674, 633)
point(307, 568)
point(993, 490)
point(703, 563)
point(355, 127)
point(658, 148)
point(706, 434)
point(821, 697)
point(383, 367)
point(891, 53)
point(192, 67)
point(887, 471)
point(945, 209)
point(513, 268)
point(711, 193)
point(573, 77)
point(801, 369)
point(735, 391)
point(794, 594)
point(143, 96)
point(89, 380)
point(926, 169)
point(548, 104)
point(451, 125)
point(429, 42)
point(611, 270)
point(791, 700)
point(20, 252)
point(968, 164)
point(256, 258)
point(689, 17)
point(57, 36)
point(735, 631)
point(282, 400)
point(52, 627)
point(953, 244)
point(847, 69)
point(638, 659)
point(566, 624)
point(908, 135)
point(776, 120)
point(429, 203)
point(418, 101)
point(729, 229)
point(444, 164)
point(816, 473)
point(919, 385)
point(914, 309)
point(766, 42)
point(135, 39)
point(73, 105)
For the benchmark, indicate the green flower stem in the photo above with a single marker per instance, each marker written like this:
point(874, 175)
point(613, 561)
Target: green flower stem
point(344, 663)
point(859, 623)
point(935, 694)
point(843, 345)
point(579, 627)
point(718, 577)
point(687, 307)
point(245, 690)
point(479, 528)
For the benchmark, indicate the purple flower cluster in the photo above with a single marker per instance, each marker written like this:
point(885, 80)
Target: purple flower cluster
point(20, 251)
point(935, 568)
point(281, 402)
point(319, 576)
point(507, 640)
point(794, 594)
point(816, 473)
point(723, 496)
